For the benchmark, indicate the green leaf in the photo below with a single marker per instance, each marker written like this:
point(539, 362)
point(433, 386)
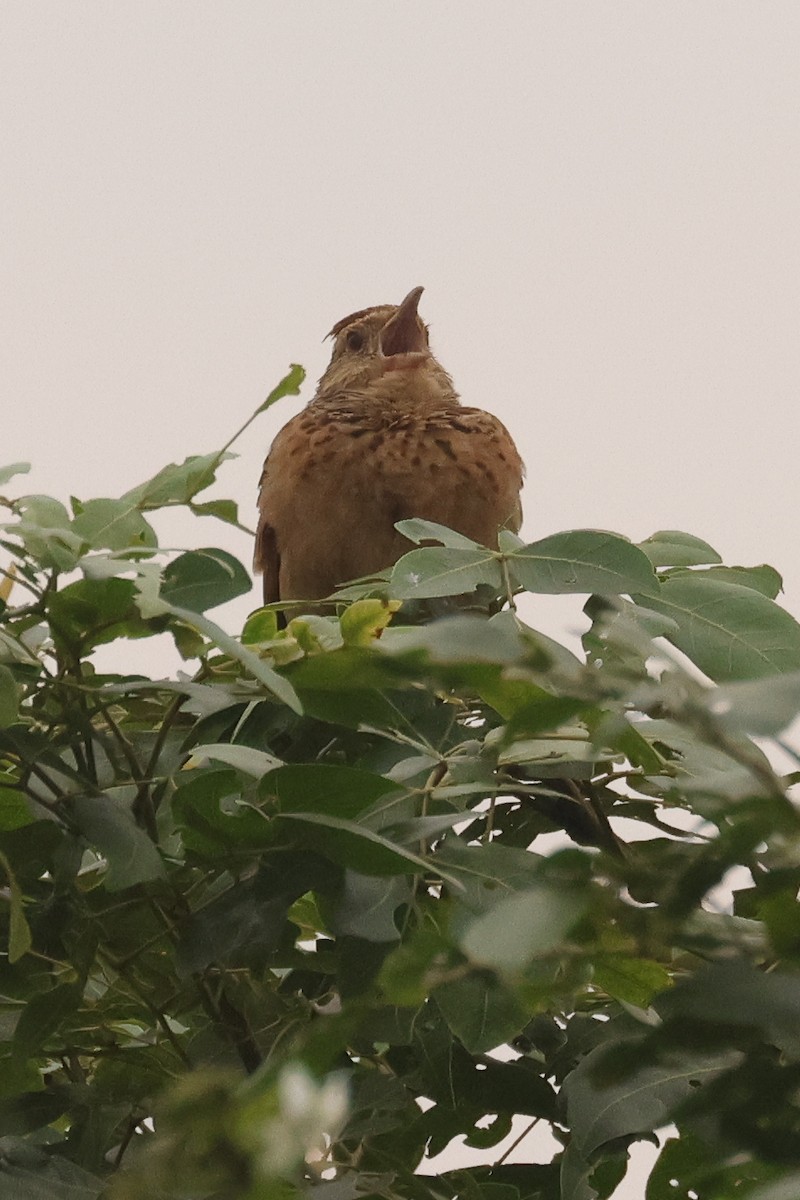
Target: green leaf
point(689, 1164)
point(634, 980)
point(758, 706)
point(177, 483)
point(288, 386)
point(487, 874)
point(223, 510)
point(480, 1011)
point(92, 612)
point(42, 1017)
point(326, 788)
point(131, 856)
point(113, 525)
point(671, 548)
point(30, 1173)
point(417, 530)
point(521, 928)
point(44, 529)
point(459, 639)
point(246, 759)
point(203, 579)
point(444, 571)
point(15, 811)
point(737, 993)
point(582, 560)
point(367, 906)
point(9, 698)
point(764, 579)
point(602, 1111)
point(787, 1188)
point(261, 626)
point(356, 846)
point(19, 468)
point(207, 809)
point(19, 935)
point(730, 632)
point(271, 680)
point(362, 622)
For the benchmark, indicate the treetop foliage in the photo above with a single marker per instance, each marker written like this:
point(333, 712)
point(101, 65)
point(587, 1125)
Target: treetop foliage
point(288, 924)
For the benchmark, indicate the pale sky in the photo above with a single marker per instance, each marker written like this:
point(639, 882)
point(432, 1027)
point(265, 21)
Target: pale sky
point(602, 200)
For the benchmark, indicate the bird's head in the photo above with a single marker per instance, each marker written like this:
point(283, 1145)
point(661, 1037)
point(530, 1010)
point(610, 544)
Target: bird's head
point(386, 347)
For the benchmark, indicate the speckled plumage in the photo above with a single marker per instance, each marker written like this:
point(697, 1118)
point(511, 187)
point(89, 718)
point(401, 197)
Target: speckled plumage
point(385, 438)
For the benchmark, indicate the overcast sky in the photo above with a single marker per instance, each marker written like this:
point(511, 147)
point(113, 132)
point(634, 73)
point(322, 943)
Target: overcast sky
point(601, 199)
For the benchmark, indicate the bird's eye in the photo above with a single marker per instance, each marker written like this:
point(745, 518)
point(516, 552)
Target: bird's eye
point(355, 340)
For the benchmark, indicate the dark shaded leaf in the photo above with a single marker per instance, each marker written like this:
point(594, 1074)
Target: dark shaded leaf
point(110, 828)
point(203, 579)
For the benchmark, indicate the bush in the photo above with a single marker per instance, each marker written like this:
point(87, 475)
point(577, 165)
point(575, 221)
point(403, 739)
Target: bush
point(282, 926)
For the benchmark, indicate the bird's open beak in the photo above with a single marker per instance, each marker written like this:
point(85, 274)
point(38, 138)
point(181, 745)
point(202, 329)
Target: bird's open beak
point(404, 333)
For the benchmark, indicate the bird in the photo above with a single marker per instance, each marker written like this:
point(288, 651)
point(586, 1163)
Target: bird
point(384, 438)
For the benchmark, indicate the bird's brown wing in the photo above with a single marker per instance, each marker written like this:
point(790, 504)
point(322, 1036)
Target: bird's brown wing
point(267, 558)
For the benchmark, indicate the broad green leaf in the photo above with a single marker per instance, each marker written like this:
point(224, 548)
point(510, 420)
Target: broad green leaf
point(758, 706)
point(30, 1173)
point(131, 856)
point(488, 874)
point(44, 529)
point(730, 632)
point(417, 530)
point(243, 758)
point(458, 639)
point(9, 698)
point(19, 468)
point(367, 906)
point(326, 788)
point(177, 483)
point(764, 579)
point(519, 929)
point(480, 1011)
point(737, 993)
point(362, 622)
point(634, 980)
point(582, 560)
point(274, 682)
point(288, 386)
point(92, 612)
point(689, 1163)
point(601, 1111)
point(444, 571)
point(557, 751)
point(261, 626)
point(42, 1016)
point(207, 809)
point(15, 810)
point(223, 510)
point(113, 525)
point(671, 548)
point(357, 846)
point(787, 1188)
point(203, 579)
point(19, 934)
